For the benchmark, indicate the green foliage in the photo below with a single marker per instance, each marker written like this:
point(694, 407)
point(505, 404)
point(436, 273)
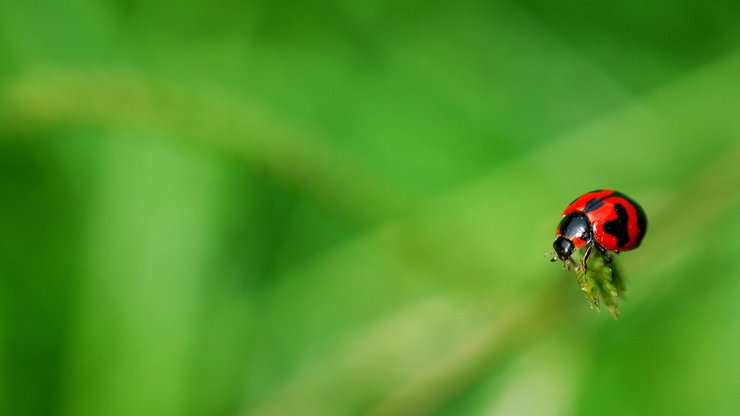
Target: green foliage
point(335, 208)
point(601, 282)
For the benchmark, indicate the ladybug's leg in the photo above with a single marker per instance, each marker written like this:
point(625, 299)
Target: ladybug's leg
point(586, 255)
point(605, 253)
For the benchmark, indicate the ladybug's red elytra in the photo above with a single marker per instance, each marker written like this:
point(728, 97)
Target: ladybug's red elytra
point(605, 219)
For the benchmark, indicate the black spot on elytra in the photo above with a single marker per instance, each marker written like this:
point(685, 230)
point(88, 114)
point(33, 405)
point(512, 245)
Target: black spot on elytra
point(618, 226)
point(593, 204)
point(641, 217)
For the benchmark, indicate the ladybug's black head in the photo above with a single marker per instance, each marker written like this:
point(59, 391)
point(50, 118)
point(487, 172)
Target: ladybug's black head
point(563, 248)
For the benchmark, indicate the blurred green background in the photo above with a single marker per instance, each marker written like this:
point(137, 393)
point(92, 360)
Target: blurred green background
point(340, 208)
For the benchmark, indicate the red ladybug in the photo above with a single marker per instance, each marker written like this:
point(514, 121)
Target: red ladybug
point(605, 219)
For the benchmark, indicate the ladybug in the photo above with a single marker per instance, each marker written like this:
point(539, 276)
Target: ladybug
point(605, 219)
